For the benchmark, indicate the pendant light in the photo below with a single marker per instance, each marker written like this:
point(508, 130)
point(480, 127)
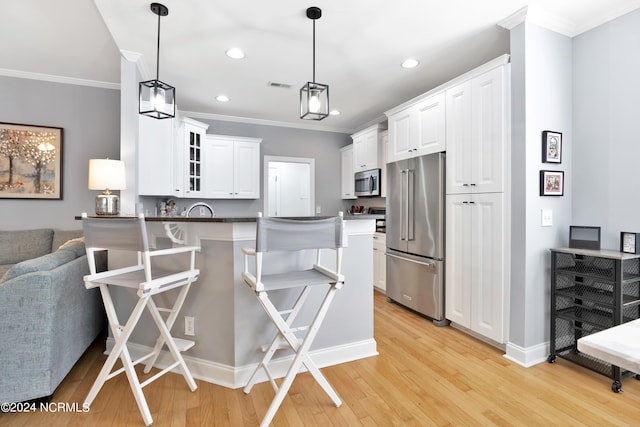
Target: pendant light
point(314, 97)
point(157, 99)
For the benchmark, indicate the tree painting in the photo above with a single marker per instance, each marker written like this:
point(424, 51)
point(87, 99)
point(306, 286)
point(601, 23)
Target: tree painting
point(30, 161)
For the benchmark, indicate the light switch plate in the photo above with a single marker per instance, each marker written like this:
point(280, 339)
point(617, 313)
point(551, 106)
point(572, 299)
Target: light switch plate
point(547, 217)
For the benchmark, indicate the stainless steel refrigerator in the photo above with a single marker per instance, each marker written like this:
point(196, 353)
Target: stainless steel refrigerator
point(415, 234)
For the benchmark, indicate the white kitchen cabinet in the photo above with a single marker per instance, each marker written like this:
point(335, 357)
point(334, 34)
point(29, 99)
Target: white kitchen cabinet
point(379, 262)
point(476, 267)
point(366, 149)
point(417, 129)
point(348, 190)
point(477, 123)
point(189, 159)
point(231, 167)
point(384, 146)
point(156, 167)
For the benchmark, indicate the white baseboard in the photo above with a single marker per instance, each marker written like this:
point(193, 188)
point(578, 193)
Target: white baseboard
point(529, 356)
point(237, 377)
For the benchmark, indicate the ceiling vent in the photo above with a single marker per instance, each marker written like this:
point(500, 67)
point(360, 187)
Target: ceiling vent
point(280, 85)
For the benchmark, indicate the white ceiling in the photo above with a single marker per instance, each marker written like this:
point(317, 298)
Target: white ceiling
point(359, 47)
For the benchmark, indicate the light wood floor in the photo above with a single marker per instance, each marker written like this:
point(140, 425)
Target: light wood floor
point(424, 376)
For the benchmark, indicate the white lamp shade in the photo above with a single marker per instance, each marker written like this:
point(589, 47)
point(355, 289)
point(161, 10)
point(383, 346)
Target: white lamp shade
point(106, 174)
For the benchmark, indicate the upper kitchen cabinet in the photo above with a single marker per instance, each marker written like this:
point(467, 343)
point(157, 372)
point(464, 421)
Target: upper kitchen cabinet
point(232, 167)
point(366, 148)
point(156, 167)
point(348, 190)
point(477, 123)
point(189, 158)
point(417, 128)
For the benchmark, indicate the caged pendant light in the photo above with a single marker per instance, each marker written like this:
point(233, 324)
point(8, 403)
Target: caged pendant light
point(314, 97)
point(157, 99)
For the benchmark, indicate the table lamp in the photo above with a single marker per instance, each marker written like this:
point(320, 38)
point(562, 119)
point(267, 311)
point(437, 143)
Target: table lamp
point(107, 175)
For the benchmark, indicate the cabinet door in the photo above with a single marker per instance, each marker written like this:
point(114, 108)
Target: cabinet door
point(488, 267)
point(488, 124)
point(384, 146)
point(220, 169)
point(193, 142)
point(155, 154)
point(379, 262)
point(430, 125)
point(458, 139)
point(365, 151)
point(458, 260)
point(346, 164)
point(399, 135)
point(246, 161)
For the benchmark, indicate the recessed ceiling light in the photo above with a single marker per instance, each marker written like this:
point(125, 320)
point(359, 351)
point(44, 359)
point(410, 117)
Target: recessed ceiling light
point(410, 63)
point(235, 53)
point(334, 112)
point(222, 98)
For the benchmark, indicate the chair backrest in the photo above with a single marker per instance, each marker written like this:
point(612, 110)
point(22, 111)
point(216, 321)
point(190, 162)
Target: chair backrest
point(278, 234)
point(128, 234)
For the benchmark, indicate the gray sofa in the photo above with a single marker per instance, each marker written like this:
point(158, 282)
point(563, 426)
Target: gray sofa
point(47, 316)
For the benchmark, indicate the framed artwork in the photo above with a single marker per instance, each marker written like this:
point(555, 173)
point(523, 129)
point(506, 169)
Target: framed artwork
point(30, 162)
point(551, 183)
point(551, 147)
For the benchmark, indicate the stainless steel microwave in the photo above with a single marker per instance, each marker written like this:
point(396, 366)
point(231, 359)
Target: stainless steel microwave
point(367, 183)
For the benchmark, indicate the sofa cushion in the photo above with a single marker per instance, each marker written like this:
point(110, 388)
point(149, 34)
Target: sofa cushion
point(62, 236)
point(43, 263)
point(20, 245)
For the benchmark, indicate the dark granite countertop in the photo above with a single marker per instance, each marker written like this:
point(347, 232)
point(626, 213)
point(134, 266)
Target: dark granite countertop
point(231, 219)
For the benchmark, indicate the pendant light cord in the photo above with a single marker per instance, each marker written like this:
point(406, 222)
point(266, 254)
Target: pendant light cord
point(314, 51)
point(158, 52)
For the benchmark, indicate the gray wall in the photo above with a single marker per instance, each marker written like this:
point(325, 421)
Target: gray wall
point(324, 147)
point(541, 100)
point(90, 118)
point(607, 128)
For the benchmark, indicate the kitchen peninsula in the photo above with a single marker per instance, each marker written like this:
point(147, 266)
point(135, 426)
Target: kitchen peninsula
point(230, 326)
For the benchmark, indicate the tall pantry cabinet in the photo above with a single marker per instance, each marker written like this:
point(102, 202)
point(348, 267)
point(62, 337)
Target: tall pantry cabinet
point(477, 126)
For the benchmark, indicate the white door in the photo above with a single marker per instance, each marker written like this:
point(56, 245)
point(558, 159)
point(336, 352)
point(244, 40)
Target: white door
point(459, 139)
point(246, 173)
point(219, 168)
point(458, 260)
point(488, 271)
point(489, 118)
point(399, 135)
point(431, 125)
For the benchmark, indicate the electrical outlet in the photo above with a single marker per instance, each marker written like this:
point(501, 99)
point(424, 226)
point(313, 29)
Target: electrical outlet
point(189, 325)
point(318, 209)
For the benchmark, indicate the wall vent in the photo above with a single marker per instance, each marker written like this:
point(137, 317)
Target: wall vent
point(280, 85)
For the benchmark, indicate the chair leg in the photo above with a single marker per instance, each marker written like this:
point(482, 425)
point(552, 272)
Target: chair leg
point(171, 345)
point(275, 344)
point(120, 350)
point(173, 315)
point(301, 349)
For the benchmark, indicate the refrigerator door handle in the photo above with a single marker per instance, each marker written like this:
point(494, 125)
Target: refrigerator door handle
point(410, 208)
point(403, 200)
point(426, 264)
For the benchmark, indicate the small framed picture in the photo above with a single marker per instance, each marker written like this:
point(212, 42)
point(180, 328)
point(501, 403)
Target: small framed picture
point(551, 147)
point(551, 183)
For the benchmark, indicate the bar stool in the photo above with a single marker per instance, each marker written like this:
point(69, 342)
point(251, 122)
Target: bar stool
point(292, 236)
point(129, 234)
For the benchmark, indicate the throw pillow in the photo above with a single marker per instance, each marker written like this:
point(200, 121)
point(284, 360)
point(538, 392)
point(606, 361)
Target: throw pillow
point(20, 245)
point(43, 263)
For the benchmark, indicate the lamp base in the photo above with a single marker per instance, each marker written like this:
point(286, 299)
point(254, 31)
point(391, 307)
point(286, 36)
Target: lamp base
point(107, 204)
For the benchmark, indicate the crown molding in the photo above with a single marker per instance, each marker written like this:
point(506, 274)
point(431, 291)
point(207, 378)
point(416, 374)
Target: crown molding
point(58, 79)
point(536, 15)
point(136, 58)
point(250, 120)
point(610, 15)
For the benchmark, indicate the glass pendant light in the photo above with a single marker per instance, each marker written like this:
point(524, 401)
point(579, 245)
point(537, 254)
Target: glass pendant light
point(314, 97)
point(157, 99)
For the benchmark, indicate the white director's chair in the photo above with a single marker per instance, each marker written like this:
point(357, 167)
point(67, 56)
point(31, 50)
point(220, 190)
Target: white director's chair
point(129, 234)
point(291, 236)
